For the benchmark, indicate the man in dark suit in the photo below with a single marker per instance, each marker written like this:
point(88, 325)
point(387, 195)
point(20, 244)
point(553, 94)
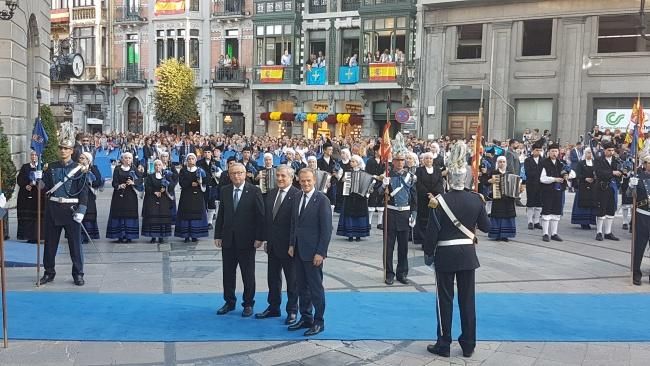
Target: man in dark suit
point(311, 230)
point(239, 231)
point(279, 205)
point(450, 245)
point(186, 148)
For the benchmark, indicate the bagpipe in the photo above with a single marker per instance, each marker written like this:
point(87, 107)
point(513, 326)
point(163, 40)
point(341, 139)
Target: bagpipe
point(166, 182)
point(215, 172)
point(200, 174)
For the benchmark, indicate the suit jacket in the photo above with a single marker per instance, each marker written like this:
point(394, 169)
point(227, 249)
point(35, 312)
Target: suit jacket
point(183, 151)
point(512, 160)
point(470, 211)
point(311, 232)
point(239, 229)
point(278, 229)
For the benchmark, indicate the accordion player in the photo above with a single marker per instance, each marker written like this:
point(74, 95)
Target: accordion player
point(357, 182)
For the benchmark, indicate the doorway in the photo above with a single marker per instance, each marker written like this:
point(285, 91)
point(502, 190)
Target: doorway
point(461, 126)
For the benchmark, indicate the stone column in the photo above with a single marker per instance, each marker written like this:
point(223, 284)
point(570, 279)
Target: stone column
point(432, 70)
point(570, 75)
point(499, 37)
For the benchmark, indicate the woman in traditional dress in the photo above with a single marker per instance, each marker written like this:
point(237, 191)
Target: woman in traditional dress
point(170, 171)
point(27, 204)
point(191, 220)
point(344, 168)
point(95, 182)
point(584, 202)
point(429, 184)
point(503, 213)
point(156, 207)
point(354, 221)
point(123, 218)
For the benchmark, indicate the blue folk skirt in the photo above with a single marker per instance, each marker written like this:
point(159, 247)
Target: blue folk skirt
point(91, 228)
point(353, 227)
point(123, 228)
point(502, 228)
point(191, 228)
point(156, 230)
point(581, 215)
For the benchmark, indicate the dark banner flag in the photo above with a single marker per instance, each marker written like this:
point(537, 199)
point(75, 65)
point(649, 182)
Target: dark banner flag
point(39, 137)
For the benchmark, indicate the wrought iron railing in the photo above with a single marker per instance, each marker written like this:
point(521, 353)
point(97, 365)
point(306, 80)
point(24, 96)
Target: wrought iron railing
point(127, 14)
point(229, 75)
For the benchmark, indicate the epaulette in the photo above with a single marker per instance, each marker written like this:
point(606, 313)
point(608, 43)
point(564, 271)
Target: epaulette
point(481, 196)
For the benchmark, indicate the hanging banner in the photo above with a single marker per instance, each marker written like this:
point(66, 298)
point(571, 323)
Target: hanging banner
point(169, 7)
point(382, 72)
point(271, 74)
point(316, 76)
point(348, 75)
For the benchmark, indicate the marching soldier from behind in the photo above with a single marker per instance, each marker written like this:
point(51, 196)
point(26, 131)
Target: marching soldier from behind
point(639, 186)
point(65, 185)
point(450, 246)
point(402, 209)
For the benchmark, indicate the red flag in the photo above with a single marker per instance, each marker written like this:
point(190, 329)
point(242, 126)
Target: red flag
point(384, 149)
point(478, 151)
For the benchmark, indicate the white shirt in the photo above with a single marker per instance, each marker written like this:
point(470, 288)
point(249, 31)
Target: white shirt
point(284, 194)
point(234, 191)
point(545, 178)
point(308, 194)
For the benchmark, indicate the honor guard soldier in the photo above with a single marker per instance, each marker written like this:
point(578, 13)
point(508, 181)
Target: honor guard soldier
point(450, 245)
point(402, 208)
point(639, 185)
point(67, 196)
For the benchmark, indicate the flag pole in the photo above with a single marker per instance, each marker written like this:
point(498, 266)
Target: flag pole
point(3, 279)
point(39, 183)
point(477, 144)
point(637, 132)
point(385, 213)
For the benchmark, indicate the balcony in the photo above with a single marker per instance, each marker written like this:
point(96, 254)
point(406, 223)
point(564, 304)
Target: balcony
point(350, 5)
point(130, 14)
point(84, 13)
point(276, 74)
point(131, 76)
point(229, 77)
point(317, 6)
point(378, 73)
point(228, 8)
point(316, 76)
point(388, 2)
point(59, 17)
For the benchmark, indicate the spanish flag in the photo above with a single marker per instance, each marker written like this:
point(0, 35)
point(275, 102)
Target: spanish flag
point(271, 74)
point(384, 148)
point(382, 72)
point(169, 7)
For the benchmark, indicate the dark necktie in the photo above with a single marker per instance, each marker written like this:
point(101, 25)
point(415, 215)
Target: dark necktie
point(278, 203)
point(304, 203)
point(236, 200)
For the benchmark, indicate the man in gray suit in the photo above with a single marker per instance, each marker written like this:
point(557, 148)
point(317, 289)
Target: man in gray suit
point(311, 230)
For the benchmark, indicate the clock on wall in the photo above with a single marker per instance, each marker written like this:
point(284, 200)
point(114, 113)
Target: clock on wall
point(78, 65)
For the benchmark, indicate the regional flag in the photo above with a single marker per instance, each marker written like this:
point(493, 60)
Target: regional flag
point(316, 76)
point(169, 7)
point(382, 72)
point(271, 74)
point(638, 119)
point(39, 137)
point(384, 148)
point(478, 152)
point(348, 74)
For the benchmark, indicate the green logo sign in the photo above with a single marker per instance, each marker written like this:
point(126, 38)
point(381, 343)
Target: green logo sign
point(612, 119)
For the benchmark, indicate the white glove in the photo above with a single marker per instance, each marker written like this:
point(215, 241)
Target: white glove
point(412, 221)
point(634, 181)
point(386, 181)
point(219, 173)
point(3, 200)
point(38, 174)
point(78, 217)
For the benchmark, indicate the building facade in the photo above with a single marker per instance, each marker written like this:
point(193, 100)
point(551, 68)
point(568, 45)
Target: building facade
point(557, 65)
point(81, 27)
point(24, 65)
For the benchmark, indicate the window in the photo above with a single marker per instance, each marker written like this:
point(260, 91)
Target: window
point(537, 37)
point(533, 113)
point(384, 34)
point(180, 49)
point(350, 45)
point(194, 5)
point(84, 40)
point(618, 33)
point(317, 6)
point(160, 51)
point(59, 4)
point(78, 3)
point(275, 6)
point(194, 52)
point(132, 53)
point(271, 42)
point(470, 41)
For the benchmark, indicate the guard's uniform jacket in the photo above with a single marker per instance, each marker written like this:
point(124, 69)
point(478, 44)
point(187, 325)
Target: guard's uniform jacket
point(642, 223)
point(455, 258)
point(70, 198)
point(402, 202)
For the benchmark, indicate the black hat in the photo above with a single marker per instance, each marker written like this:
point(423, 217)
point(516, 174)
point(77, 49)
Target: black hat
point(538, 145)
point(207, 148)
point(554, 146)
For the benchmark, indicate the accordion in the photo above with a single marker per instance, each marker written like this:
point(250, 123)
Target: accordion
point(267, 180)
point(322, 179)
point(357, 182)
point(507, 185)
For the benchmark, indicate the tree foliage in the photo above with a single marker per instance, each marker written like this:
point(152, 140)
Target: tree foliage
point(175, 94)
point(6, 165)
point(51, 152)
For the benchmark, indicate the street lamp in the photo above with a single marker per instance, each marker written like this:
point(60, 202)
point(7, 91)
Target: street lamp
point(405, 73)
point(227, 119)
point(7, 14)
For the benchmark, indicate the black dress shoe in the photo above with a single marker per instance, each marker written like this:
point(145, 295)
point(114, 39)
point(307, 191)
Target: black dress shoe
point(161, 240)
point(46, 278)
point(625, 226)
point(599, 237)
point(300, 324)
point(403, 280)
point(389, 281)
point(437, 350)
point(468, 353)
point(315, 329)
point(531, 226)
point(194, 240)
point(350, 239)
point(636, 281)
point(248, 311)
point(225, 309)
point(546, 238)
point(291, 318)
point(505, 239)
point(187, 240)
point(153, 240)
point(538, 226)
point(78, 280)
point(611, 236)
point(556, 237)
point(267, 314)
point(380, 226)
point(357, 239)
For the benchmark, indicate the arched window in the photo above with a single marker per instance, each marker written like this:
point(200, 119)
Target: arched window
point(134, 117)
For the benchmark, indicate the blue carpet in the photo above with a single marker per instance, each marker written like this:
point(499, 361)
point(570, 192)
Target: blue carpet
point(349, 316)
point(21, 254)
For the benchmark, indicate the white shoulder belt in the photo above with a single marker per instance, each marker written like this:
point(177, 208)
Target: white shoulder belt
point(453, 218)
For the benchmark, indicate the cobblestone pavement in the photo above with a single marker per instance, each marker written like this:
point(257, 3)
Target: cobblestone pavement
point(525, 264)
